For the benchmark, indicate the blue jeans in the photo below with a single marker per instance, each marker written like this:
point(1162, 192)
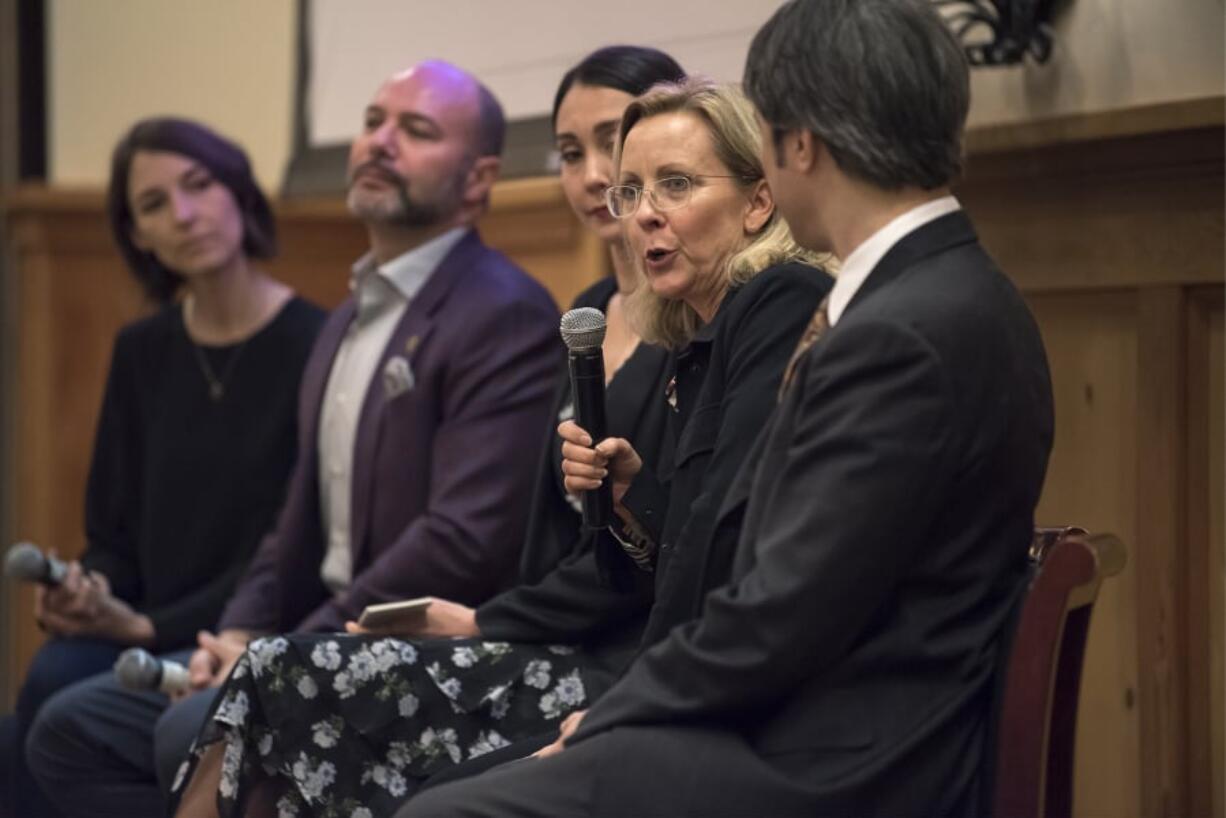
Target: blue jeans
point(99, 750)
point(58, 664)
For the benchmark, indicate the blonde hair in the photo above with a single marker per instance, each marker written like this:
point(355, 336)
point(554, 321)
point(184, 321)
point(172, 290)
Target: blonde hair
point(729, 118)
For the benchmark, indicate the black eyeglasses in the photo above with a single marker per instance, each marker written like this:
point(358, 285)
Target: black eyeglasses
point(669, 193)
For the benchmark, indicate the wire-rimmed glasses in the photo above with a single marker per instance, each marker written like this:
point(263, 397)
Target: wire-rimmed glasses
point(669, 193)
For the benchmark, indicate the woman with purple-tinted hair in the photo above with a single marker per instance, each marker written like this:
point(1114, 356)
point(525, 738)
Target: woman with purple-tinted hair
point(197, 430)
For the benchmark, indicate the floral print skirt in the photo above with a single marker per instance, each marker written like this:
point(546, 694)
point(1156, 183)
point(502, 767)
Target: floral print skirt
point(352, 724)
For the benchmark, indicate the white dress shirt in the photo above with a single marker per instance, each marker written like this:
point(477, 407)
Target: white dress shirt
point(382, 292)
point(861, 261)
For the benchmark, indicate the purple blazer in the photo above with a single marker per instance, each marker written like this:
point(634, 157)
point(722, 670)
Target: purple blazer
point(442, 472)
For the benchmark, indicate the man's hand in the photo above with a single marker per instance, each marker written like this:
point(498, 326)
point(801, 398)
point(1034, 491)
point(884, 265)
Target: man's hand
point(215, 657)
point(440, 619)
point(586, 467)
point(569, 725)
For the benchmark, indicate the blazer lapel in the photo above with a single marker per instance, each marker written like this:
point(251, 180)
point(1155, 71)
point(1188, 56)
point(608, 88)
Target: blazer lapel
point(409, 336)
point(940, 234)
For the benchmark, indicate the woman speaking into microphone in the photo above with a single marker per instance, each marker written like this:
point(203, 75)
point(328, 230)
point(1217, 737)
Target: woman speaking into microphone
point(730, 292)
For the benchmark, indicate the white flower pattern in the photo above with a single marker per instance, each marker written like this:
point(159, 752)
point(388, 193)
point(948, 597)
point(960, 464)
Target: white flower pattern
point(326, 655)
point(307, 688)
point(326, 733)
point(261, 653)
point(233, 709)
point(312, 777)
point(536, 674)
point(407, 705)
point(423, 706)
point(487, 742)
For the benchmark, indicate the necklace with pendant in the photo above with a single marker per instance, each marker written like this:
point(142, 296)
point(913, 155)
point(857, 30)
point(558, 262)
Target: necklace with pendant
point(216, 383)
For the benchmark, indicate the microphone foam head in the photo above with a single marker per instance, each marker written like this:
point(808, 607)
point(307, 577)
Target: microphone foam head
point(136, 669)
point(583, 328)
point(25, 561)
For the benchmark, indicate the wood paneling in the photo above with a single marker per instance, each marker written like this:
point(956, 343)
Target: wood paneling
point(1132, 212)
point(1163, 117)
point(1160, 552)
point(1091, 341)
point(1215, 574)
point(1206, 564)
point(1117, 243)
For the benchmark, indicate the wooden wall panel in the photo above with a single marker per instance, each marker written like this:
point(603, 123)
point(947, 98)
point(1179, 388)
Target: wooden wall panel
point(1206, 558)
point(1160, 552)
point(1142, 218)
point(1091, 341)
point(1215, 498)
point(1132, 212)
point(1117, 244)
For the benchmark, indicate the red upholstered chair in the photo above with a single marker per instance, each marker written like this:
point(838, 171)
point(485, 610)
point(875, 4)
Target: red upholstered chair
point(1033, 775)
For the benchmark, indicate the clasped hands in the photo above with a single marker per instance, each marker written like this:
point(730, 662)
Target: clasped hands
point(83, 606)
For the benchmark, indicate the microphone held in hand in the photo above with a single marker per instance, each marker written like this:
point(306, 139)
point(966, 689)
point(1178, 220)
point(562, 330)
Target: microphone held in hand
point(26, 562)
point(583, 332)
point(138, 669)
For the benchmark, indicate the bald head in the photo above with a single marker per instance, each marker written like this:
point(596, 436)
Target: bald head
point(428, 153)
point(475, 106)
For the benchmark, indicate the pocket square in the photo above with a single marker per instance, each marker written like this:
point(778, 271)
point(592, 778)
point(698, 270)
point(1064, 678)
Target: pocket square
point(397, 377)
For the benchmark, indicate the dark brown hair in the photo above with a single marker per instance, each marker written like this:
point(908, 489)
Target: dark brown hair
point(224, 160)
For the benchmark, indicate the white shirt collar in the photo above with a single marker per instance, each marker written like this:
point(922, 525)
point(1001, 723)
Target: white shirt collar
point(861, 261)
point(406, 274)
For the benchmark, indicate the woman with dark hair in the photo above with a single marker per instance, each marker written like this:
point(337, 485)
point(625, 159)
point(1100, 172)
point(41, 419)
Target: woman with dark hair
point(197, 430)
point(352, 724)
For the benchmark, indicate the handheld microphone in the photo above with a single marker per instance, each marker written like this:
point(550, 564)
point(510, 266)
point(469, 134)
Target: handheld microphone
point(583, 332)
point(25, 561)
point(138, 669)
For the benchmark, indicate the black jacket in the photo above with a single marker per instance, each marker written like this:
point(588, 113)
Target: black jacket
point(727, 379)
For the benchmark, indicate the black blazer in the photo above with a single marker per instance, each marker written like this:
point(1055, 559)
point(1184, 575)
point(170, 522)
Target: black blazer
point(561, 596)
point(726, 381)
point(886, 511)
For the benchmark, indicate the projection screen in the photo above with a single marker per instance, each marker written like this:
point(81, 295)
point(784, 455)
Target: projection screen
point(520, 49)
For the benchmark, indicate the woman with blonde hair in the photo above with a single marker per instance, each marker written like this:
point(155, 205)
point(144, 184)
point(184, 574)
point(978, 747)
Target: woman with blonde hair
point(727, 290)
point(725, 287)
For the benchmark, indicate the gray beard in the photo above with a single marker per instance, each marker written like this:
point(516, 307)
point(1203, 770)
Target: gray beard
point(399, 211)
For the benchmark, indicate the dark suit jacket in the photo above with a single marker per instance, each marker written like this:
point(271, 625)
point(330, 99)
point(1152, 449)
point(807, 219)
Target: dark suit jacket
point(440, 484)
point(886, 514)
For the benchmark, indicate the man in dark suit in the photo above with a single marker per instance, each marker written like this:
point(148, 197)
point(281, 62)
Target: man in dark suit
point(885, 513)
point(420, 394)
